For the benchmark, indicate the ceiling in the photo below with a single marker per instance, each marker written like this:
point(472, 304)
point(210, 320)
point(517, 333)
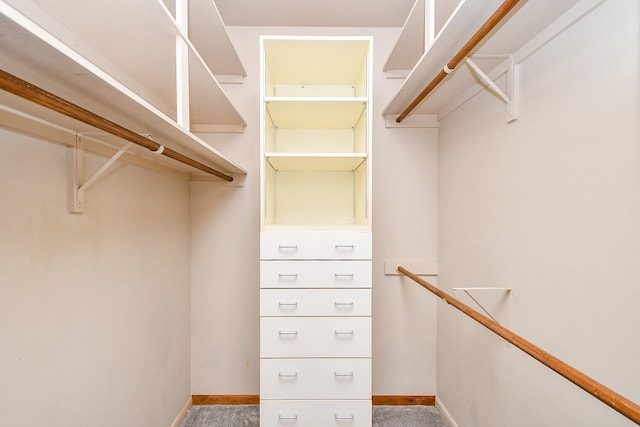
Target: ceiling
point(315, 13)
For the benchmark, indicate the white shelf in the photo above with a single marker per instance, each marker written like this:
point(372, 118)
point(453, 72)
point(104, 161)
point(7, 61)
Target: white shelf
point(121, 67)
point(208, 103)
point(520, 26)
point(334, 162)
point(410, 44)
point(293, 112)
point(206, 25)
point(317, 227)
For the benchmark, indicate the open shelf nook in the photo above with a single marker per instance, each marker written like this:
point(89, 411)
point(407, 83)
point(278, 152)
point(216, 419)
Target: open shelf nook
point(316, 132)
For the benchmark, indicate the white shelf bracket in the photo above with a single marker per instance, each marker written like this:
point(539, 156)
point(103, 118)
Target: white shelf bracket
point(508, 292)
point(77, 174)
point(511, 97)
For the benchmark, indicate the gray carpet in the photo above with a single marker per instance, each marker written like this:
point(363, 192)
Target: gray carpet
point(249, 416)
point(407, 416)
point(222, 416)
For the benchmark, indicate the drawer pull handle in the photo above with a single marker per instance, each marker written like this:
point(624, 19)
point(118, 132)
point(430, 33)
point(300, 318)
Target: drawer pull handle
point(344, 275)
point(288, 375)
point(288, 304)
point(288, 332)
point(287, 417)
point(343, 304)
point(293, 276)
point(342, 417)
point(343, 374)
point(291, 248)
point(339, 332)
point(339, 247)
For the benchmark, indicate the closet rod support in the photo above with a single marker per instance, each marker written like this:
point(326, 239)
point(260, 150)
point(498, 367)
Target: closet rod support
point(33, 93)
point(511, 98)
point(77, 165)
point(467, 291)
point(471, 44)
point(104, 167)
point(482, 76)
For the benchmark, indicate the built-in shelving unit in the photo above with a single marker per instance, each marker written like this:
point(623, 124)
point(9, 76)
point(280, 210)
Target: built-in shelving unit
point(526, 22)
point(315, 244)
point(121, 63)
point(316, 132)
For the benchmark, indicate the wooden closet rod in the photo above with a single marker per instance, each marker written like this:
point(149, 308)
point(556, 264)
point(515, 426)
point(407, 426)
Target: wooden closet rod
point(489, 25)
point(591, 386)
point(33, 93)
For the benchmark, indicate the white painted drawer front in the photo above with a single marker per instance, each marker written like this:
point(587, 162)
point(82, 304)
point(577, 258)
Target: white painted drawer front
point(315, 337)
point(315, 274)
point(312, 413)
point(315, 302)
point(315, 245)
point(315, 378)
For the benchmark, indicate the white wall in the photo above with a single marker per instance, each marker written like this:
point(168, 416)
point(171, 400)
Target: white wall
point(225, 243)
point(549, 206)
point(94, 307)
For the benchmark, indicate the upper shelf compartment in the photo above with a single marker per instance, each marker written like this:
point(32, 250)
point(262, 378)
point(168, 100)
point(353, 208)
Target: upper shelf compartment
point(119, 63)
point(332, 68)
point(522, 24)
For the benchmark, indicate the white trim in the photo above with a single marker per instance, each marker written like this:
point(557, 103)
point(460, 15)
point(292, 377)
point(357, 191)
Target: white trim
point(198, 179)
point(182, 414)
point(216, 128)
point(429, 23)
point(420, 268)
point(412, 121)
point(398, 74)
point(444, 413)
point(229, 79)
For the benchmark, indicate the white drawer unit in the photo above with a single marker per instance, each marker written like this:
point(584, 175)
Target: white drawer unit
point(314, 245)
point(315, 337)
point(315, 378)
point(315, 302)
point(315, 274)
point(313, 413)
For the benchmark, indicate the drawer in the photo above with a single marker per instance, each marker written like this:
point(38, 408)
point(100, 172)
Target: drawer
point(315, 302)
point(315, 274)
point(315, 413)
point(315, 245)
point(315, 378)
point(315, 337)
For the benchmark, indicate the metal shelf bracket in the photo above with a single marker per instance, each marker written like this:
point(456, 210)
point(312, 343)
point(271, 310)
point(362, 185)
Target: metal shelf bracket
point(507, 291)
point(78, 187)
point(512, 96)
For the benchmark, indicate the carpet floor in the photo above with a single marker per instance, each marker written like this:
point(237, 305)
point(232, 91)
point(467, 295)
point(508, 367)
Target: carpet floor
point(249, 416)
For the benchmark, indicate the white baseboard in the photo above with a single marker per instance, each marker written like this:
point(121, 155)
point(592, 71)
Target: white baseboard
point(182, 414)
point(446, 416)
